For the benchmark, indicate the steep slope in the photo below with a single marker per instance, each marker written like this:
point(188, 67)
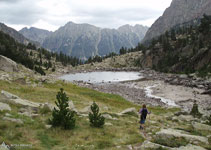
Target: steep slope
point(13, 33)
point(184, 50)
point(35, 34)
point(84, 40)
point(179, 12)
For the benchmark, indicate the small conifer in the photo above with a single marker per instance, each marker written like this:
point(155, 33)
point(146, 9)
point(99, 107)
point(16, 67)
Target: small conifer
point(62, 117)
point(195, 111)
point(95, 118)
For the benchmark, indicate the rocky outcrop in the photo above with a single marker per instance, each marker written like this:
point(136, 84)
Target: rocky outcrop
point(4, 106)
point(180, 12)
point(7, 64)
point(165, 134)
point(16, 100)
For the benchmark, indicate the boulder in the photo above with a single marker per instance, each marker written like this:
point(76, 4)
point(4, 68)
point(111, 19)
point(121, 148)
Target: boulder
point(4, 106)
point(19, 121)
point(186, 118)
point(150, 145)
point(129, 111)
point(11, 98)
point(166, 134)
point(7, 64)
point(189, 147)
point(86, 110)
point(200, 126)
point(9, 95)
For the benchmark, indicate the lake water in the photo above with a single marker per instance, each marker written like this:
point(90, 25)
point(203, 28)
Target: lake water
point(105, 76)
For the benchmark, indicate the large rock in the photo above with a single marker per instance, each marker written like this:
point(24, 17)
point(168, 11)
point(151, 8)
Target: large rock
point(7, 64)
point(129, 111)
point(199, 126)
point(19, 121)
point(189, 147)
point(186, 118)
point(150, 145)
point(11, 98)
point(166, 134)
point(4, 106)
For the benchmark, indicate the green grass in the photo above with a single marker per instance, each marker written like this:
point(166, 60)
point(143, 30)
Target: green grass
point(123, 131)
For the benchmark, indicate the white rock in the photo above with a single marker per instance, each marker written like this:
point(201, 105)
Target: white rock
point(9, 95)
point(150, 145)
point(199, 126)
point(86, 110)
point(15, 99)
point(19, 121)
point(7, 64)
point(108, 124)
point(48, 126)
point(169, 133)
point(128, 111)
point(187, 118)
point(107, 116)
point(189, 147)
point(4, 106)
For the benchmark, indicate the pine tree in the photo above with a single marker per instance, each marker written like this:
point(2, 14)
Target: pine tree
point(62, 117)
point(95, 117)
point(195, 111)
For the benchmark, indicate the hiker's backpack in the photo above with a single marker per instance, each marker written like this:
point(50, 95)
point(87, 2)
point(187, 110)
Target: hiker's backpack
point(144, 114)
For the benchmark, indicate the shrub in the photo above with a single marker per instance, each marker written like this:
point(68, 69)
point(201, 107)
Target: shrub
point(195, 111)
point(62, 116)
point(95, 117)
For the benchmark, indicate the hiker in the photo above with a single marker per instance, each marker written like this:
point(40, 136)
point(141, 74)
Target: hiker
point(143, 111)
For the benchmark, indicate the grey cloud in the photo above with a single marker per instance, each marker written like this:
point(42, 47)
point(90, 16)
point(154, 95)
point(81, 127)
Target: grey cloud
point(22, 12)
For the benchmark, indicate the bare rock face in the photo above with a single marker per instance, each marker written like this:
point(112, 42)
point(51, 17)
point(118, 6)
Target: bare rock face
point(7, 64)
point(180, 12)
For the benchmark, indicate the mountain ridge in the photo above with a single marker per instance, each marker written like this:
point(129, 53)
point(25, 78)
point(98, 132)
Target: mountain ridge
point(86, 40)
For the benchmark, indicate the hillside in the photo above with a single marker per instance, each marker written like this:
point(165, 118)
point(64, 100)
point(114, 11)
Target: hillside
point(84, 40)
point(13, 33)
point(39, 60)
point(181, 50)
point(179, 12)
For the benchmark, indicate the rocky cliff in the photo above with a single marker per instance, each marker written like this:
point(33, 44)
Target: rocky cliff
point(179, 12)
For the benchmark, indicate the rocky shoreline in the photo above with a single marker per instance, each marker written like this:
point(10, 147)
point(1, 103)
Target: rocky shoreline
point(187, 89)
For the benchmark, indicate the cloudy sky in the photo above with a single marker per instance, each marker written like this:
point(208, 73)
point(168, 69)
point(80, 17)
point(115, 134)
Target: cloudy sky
point(51, 14)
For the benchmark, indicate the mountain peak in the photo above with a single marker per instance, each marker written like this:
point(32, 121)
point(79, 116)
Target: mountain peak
point(179, 12)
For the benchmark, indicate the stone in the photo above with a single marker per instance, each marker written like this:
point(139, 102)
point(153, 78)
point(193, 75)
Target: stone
point(172, 133)
point(108, 124)
point(107, 116)
point(189, 147)
point(4, 106)
point(187, 118)
point(11, 98)
point(47, 106)
point(149, 145)
point(199, 126)
point(19, 121)
point(183, 76)
point(9, 95)
point(129, 111)
point(48, 126)
point(7, 64)
point(85, 110)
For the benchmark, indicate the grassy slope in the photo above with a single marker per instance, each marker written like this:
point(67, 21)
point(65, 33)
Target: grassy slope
point(124, 131)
